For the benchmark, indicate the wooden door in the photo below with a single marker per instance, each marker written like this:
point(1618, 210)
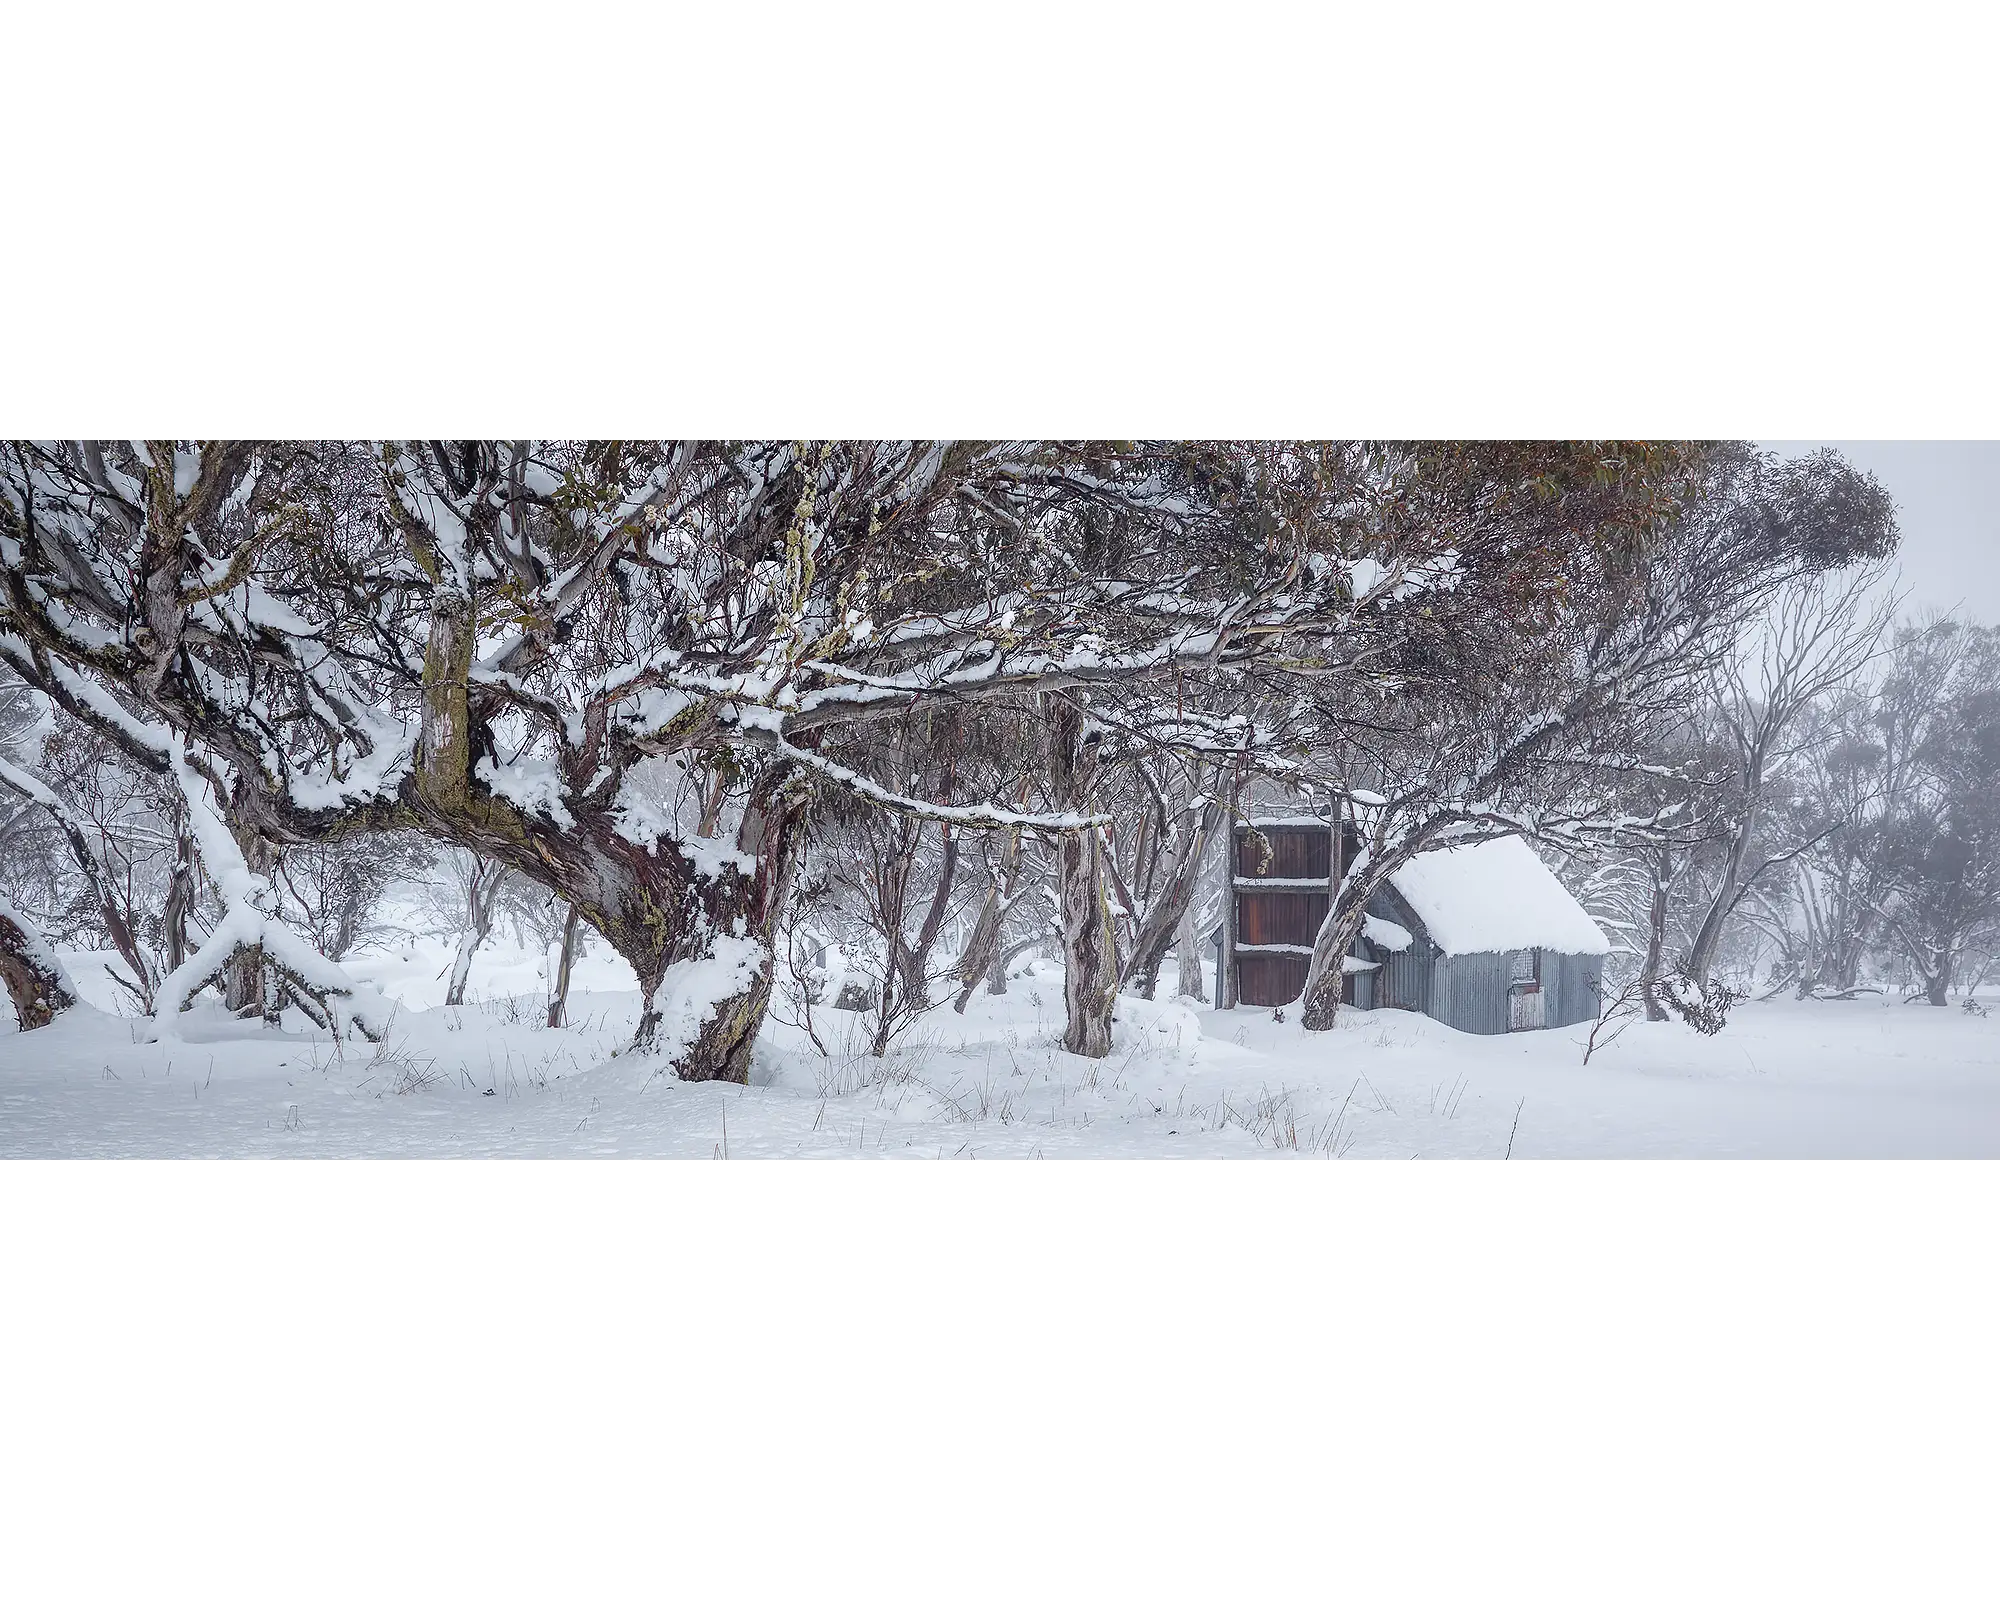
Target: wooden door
point(1524, 1009)
point(1524, 992)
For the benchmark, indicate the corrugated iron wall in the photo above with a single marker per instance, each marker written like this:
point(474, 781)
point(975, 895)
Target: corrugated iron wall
point(1287, 917)
point(1405, 978)
point(1296, 852)
point(1571, 985)
point(1470, 992)
point(1281, 916)
point(1270, 980)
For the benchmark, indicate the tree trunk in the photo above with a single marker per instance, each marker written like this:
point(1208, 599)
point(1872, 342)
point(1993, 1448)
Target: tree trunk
point(243, 981)
point(1656, 945)
point(1090, 951)
point(1937, 982)
point(444, 775)
point(247, 989)
point(34, 977)
point(1188, 957)
point(1319, 1005)
point(116, 925)
point(481, 895)
point(1170, 907)
point(180, 900)
point(1708, 937)
point(983, 946)
point(914, 959)
point(657, 908)
point(461, 966)
point(559, 979)
point(688, 917)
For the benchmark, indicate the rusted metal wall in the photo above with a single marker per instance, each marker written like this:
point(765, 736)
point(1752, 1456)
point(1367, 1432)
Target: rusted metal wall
point(1296, 851)
point(1270, 980)
point(1279, 918)
point(1288, 914)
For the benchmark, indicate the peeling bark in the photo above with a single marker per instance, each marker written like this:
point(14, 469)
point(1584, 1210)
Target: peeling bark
point(1319, 1005)
point(1090, 950)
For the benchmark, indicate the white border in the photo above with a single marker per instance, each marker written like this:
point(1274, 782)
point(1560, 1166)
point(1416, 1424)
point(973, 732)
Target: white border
point(1549, 1379)
point(1712, 219)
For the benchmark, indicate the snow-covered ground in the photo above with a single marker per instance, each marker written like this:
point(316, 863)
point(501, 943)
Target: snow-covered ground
point(1854, 1078)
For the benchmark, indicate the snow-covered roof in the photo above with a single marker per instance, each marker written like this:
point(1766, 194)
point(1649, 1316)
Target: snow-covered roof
point(1496, 896)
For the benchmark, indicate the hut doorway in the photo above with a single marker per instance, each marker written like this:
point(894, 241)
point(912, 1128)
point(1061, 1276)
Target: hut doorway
point(1524, 993)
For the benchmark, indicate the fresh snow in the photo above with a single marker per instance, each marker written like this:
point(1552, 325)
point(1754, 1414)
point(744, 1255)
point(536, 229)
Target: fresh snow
point(533, 783)
point(1496, 896)
point(1785, 1078)
point(1386, 935)
point(711, 858)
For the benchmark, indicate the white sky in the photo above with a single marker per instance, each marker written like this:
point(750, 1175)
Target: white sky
point(1947, 494)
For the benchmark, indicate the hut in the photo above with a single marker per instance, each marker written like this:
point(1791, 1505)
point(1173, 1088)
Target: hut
point(1481, 936)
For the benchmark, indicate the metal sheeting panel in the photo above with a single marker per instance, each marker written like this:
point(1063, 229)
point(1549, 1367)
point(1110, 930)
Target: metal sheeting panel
point(1270, 980)
point(1294, 852)
point(1405, 980)
point(1572, 986)
point(1473, 992)
point(1278, 918)
point(1469, 992)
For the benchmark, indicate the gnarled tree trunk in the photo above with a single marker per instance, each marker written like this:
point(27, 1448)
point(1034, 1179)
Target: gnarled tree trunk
point(723, 925)
point(1090, 951)
point(1319, 1005)
point(1347, 907)
point(247, 988)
